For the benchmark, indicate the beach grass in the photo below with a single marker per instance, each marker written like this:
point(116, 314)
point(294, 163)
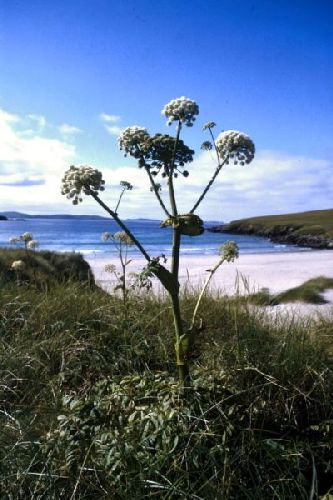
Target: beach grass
point(90, 407)
point(310, 292)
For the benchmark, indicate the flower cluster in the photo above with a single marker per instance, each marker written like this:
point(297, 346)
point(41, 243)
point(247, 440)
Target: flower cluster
point(127, 186)
point(235, 145)
point(206, 146)
point(132, 140)
point(123, 237)
point(82, 179)
point(181, 109)
point(32, 244)
point(209, 125)
point(161, 153)
point(229, 251)
point(26, 237)
point(106, 236)
point(18, 265)
point(110, 268)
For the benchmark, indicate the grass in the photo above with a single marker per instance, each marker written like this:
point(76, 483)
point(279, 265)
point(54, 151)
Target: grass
point(89, 406)
point(316, 222)
point(310, 292)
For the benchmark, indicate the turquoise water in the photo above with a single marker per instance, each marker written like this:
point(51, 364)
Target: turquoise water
point(85, 236)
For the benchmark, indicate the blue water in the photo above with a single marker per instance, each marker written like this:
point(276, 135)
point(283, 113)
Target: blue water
point(85, 236)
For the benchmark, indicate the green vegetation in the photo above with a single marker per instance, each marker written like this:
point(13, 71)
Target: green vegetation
point(44, 268)
point(89, 407)
point(314, 222)
point(309, 292)
point(308, 229)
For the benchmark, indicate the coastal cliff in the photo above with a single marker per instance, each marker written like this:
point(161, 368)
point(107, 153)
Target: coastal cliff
point(307, 229)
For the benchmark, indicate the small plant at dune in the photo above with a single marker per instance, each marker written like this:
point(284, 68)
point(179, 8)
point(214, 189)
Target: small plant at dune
point(228, 253)
point(26, 239)
point(166, 156)
point(18, 266)
point(122, 243)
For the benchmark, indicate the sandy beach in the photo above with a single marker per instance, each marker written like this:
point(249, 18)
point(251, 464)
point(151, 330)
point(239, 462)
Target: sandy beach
point(251, 272)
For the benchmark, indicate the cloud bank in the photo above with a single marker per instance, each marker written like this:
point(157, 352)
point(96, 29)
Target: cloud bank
point(32, 164)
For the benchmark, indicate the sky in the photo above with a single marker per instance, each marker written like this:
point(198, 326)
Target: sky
point(73, 74)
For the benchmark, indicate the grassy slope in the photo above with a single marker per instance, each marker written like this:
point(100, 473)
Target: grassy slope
point(309, 292)
point(255, 426)
point(322, 218)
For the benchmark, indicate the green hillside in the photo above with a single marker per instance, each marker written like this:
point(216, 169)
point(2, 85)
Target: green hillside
point(312, 229)
point(314, 221)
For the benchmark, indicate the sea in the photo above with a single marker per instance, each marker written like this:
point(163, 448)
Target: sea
point(84, 236)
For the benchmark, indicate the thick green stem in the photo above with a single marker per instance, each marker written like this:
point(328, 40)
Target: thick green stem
point(181, 343)
point(175, 253)
point(170, 176)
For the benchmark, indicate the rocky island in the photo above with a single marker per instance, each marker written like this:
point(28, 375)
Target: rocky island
point(312, 229)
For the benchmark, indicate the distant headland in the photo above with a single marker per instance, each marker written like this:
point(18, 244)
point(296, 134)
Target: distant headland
point(313, 229)
point(19, 215)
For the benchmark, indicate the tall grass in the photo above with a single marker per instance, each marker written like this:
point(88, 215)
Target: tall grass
point(90, 407)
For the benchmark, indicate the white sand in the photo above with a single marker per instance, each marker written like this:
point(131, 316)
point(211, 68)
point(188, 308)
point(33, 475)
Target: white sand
point(278, 272)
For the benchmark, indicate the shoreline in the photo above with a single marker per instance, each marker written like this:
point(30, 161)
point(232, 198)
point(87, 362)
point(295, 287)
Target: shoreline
point(248, 274)
point(277, 271)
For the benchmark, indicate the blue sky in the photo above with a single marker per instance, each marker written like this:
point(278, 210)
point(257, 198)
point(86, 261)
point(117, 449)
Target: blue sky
point(74, 73)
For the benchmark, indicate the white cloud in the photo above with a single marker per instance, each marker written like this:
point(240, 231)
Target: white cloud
point(109, 118)
point(66, 129)
point(113, 129)
point(30, 165)
point(39, 120)
point(31, 168)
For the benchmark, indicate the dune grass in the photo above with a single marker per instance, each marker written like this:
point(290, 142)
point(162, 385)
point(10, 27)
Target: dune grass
point(310, 292)
point(90, 408)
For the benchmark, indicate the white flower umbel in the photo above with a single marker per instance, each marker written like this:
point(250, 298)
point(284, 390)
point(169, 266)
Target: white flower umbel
point(18, 265)
point(122, 237)
point(14, 240)
point(181, 109)
point(26, 237)
point(229, 251)
point(32, 244)
point(106, 236)
point(82, 179)
point(132, 139)
point(236, 146)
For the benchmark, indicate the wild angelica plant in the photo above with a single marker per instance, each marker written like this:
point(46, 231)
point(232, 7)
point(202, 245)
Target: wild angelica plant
point(165, 155)
point(27, 239)
point(122, 243)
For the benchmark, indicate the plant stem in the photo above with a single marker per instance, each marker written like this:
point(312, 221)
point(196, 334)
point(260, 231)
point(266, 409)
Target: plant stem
point(204, 288)
point(157, 194)
point(217, 171)
point(170, 176)
point(120, 197)
point(205, 191)
point(122, 225)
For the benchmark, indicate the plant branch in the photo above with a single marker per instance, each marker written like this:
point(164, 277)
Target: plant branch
point(121, 224)
point(157, 194)
point(205, 191)
point(204, 288)
point(120, 197)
